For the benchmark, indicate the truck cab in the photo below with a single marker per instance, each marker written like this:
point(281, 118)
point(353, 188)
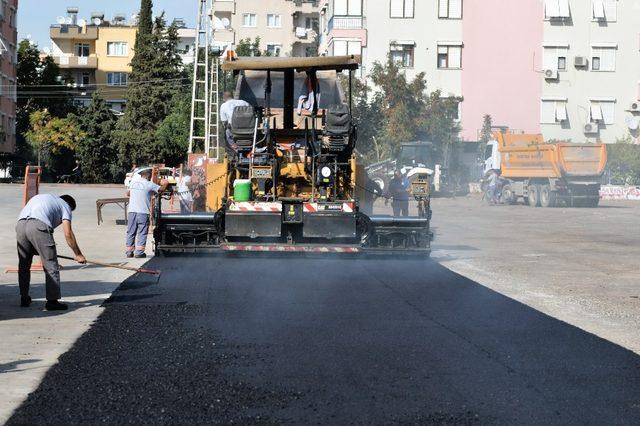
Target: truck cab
point(492, 157)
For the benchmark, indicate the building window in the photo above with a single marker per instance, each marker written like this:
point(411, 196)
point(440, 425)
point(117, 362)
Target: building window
point(312, 24)
point(117, 48)
point(553, 111)
point(347, 7)
point(82, 50)
point(117, 79)
point(603, 110)
point(84, 78)
point(450, 56)
point(555, 57)
point(557, 9)
point(605, 10)
point(249, 20)
point(347, 47)
point(402, 8)
point(603, 58)
point(450, 9)
point(403, 54)
point(274, 49)
point(274, 21)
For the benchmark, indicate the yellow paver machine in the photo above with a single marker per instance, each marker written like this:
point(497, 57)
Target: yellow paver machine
point(290, 180)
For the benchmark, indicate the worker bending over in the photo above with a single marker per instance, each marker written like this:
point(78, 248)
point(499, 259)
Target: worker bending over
point(139, 193)
point(34, 232)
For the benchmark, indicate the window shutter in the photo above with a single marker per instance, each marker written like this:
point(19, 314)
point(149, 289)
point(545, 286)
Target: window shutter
point(565, 12)
point(608, 112)
point(611, 10)
point(455, 9)
point(340, 48)
point(561, 111)
point(549, 58)
point(409, 8)
point(596, 111)
point(608, 60)
point(598, 9)
point(443, 8)
point(397, 8)
point(547, 112)
point(354, 48)
point(455, 57)
point(552, 8)
point(355, 7)
point(340, 7)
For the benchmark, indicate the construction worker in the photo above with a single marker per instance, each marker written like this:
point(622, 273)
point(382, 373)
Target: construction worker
point(226, 113)
point(492, 192)
point(399, 193)
point(34, 233)
point(139, 193)
point(184, 188)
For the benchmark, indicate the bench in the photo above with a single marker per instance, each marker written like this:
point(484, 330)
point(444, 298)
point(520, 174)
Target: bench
point(123, 203)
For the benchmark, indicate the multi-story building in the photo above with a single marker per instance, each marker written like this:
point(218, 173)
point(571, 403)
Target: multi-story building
point(566, 68)
point(285, 27)
point(95, 53)
point(8, 63)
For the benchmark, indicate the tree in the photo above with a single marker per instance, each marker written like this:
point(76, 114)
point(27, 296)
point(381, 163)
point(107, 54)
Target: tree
point(623, 162)
point(95, 150)
point(247, 47)
point(486, 134)
point(173, 133)
point(145, 20)
point(39, 88)
point(54, 138)
point(157, 75)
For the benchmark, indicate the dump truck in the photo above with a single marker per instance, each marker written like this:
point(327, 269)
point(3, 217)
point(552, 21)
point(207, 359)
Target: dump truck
point(546, 174)
point(290, 181)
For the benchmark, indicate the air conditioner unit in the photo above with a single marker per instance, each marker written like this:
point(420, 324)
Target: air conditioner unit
point(580, 61)
point(634, 107)
point(551, 74)
point(591, 128)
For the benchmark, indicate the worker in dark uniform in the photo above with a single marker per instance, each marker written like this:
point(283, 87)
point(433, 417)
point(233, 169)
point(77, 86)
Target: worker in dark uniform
point(34, 232)
point(399, 193)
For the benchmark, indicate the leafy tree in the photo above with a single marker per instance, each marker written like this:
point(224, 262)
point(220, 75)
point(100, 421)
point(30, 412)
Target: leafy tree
point(95, 150)
point(486, 134)
point(39, 88)
point(157, 75)
point(173, 133)
point(54, 139)
point(145, 20)
point(623, 162)
point(247, 47)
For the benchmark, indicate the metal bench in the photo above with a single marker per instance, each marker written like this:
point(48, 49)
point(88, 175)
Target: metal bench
point(123, 203)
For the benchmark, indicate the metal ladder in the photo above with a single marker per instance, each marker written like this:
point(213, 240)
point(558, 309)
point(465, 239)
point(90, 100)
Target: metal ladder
point(201, 96)
point(212, 147)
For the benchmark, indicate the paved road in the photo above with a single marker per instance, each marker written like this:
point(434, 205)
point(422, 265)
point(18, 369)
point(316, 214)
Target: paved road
point(331, 341)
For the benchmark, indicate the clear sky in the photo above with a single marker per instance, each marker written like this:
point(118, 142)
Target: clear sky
point(35, 16)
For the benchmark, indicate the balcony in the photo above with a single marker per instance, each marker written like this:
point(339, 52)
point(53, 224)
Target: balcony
point(346, 23)
point(305, 35)
point(76, 62)
point(71, 32)
point(220, 6)
point(306, 6)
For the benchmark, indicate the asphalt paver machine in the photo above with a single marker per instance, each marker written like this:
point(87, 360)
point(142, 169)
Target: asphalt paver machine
point(290, 181)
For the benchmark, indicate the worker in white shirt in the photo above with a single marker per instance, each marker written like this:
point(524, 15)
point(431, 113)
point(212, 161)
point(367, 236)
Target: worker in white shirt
point(226, 114)
point(184, 188)
point(140, 192)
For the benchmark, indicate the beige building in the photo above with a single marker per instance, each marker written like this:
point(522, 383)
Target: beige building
point(285, 27)
point(8, 62)
point(94, 53)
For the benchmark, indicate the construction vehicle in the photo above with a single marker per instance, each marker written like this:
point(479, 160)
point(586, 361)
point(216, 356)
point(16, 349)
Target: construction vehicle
point(290, 181)
point(546, 174)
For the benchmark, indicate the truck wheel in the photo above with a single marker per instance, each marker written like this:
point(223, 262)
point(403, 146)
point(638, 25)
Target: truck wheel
point(508, 196)
point(534, 195)
point(547, 196)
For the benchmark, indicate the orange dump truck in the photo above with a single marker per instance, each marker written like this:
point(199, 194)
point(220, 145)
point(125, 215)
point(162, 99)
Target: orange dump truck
point(546, 174)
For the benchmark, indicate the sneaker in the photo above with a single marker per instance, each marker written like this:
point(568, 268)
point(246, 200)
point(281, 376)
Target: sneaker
point(54, 305)
point(141, 256)
point(129, 255)
point(25, 302)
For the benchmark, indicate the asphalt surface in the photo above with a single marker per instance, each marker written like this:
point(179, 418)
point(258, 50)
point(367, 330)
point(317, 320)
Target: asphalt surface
point(273, 340)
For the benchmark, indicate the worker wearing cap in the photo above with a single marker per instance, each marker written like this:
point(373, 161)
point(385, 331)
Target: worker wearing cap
point(140, 192)
point(34, 232)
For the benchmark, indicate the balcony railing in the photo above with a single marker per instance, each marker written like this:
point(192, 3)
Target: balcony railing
point(73, 62)
point(346, 23)
point(73, 32)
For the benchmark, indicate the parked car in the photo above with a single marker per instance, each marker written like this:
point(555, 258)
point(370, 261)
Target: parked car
point(165, 173)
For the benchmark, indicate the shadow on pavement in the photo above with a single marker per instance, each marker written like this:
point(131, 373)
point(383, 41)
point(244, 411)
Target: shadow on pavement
point(332, 341)
point(14, 366)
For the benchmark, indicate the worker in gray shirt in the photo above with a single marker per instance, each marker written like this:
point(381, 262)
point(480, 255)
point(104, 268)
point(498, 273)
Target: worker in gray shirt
point(140, 191)
point(34, 232)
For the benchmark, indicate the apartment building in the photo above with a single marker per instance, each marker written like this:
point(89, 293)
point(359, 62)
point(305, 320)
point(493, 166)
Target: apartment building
point(94, 53)
point(8, 63)
point(567, 68)
point(285, 27)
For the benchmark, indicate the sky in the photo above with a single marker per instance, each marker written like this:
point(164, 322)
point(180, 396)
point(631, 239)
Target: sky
point(35, 16)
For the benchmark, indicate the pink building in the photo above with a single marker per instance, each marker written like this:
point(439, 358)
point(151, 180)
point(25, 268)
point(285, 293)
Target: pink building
point(502, 45)
point(8, 63)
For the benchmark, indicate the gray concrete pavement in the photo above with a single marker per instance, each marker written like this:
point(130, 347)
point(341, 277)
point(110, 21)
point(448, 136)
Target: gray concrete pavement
point(531, 340)
point(33, 339)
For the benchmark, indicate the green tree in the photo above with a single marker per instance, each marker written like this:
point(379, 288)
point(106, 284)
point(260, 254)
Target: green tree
point(157, 75)
point(39, 88)
point(173, 133)
point(95, 150)
point(145, 20)
point(623, 162)
point(247, 47)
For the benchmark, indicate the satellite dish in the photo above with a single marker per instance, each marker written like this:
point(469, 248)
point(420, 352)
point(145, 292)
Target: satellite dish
point(97, 22)
point(82, 22)
point(632, 122)
point(226, 22)
point(61, 20)
point(68, 21)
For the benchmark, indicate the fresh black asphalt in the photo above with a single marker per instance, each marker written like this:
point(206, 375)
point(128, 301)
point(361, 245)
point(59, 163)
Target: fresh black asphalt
point(330, 341)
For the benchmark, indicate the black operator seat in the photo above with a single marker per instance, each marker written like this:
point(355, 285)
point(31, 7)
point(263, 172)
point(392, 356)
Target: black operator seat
point(243, 126)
